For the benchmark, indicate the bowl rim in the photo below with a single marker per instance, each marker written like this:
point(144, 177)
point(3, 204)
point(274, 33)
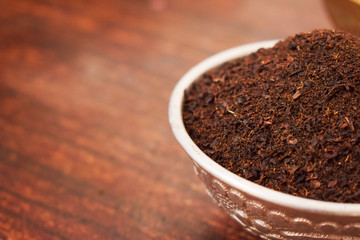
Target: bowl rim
point(233, 180)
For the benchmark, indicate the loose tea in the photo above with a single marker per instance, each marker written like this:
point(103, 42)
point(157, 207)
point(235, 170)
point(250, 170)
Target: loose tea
point(286, 117)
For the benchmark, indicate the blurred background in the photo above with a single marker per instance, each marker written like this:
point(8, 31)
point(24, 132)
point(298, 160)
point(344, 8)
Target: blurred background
point(86, 151)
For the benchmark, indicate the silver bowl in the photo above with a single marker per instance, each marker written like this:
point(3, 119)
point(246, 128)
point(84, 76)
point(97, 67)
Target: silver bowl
point(262, 211)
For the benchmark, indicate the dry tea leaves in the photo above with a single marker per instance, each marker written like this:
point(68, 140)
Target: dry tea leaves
point(286, 117)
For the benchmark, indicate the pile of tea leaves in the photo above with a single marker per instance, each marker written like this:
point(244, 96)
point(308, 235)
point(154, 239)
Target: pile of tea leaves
point(287, 117)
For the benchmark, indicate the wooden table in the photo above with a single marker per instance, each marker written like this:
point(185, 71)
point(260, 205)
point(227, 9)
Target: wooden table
point(86, 151)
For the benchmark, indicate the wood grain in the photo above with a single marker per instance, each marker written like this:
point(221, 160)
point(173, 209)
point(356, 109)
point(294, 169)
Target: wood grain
point(86, 151)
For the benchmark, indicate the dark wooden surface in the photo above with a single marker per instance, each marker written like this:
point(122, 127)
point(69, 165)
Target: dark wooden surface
point(86, 151)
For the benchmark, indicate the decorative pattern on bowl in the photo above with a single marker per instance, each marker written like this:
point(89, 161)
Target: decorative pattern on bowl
point(261, 218)
point(267, 213)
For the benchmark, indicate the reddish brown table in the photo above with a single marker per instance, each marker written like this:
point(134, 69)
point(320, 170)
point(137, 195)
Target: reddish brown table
point(86, 151)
